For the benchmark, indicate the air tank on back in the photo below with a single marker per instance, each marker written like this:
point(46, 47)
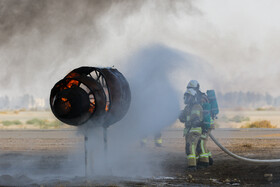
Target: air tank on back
point(98, 95)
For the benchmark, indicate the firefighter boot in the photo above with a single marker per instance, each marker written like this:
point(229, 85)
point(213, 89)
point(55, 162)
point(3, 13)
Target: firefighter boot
point(191, 162)
point(202, 165)
point(158, 140)
point(211, 161)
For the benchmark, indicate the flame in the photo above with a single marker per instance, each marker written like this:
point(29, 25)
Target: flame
point(72, 75)
point(64, 99)
point(92, 105)
point(91, 108)
point(72, 82)
point(107, 107)
point(66, 103)
point(68, 85)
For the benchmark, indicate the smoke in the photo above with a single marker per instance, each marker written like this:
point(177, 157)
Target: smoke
point(152, 73)
point(42, 40)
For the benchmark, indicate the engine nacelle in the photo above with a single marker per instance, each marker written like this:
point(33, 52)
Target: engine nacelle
point(101, 95)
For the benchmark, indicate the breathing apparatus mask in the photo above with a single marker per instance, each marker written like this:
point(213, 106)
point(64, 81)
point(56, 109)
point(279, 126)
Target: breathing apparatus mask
point(190, 96)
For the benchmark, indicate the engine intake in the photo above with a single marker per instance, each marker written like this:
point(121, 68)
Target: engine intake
point(101, 95)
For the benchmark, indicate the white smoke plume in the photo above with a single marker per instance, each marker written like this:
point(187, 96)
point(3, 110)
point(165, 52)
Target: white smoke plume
point(155, 104)
point(41, 40)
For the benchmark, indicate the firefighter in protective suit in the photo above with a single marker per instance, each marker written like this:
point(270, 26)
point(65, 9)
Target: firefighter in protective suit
point(195, 132)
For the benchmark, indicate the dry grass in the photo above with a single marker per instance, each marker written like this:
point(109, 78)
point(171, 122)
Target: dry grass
point(8, 123)
point(247, 145)
point(44, 124)
point(32, 123)
point(259, 124)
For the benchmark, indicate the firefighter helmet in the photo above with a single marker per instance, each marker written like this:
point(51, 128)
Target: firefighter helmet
point(193, 84)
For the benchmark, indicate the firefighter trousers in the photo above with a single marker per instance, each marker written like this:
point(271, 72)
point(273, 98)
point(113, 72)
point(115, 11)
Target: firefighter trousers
point(196, 148)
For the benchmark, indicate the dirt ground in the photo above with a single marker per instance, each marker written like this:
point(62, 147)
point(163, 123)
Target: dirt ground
point(20, 153)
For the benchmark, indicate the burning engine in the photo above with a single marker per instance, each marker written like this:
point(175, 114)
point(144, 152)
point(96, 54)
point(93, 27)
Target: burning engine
point(101, 95)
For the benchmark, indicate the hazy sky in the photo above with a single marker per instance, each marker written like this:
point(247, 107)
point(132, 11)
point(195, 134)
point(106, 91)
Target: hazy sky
point(236, 43)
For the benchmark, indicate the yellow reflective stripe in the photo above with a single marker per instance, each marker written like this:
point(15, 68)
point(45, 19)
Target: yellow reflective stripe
point(191, 156)
point(197, 129)
point(197, 109)
point(159, 141)
point(195, 112)
point(193, 149)
point(203, 136)
point(202, 146)
point(209, 154)
point(205, 155)
point(212, 121)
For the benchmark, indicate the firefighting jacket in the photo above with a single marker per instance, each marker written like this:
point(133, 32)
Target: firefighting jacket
point(192, 115)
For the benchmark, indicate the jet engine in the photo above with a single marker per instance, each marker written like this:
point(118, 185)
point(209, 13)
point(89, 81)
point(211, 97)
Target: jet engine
point(98, 95)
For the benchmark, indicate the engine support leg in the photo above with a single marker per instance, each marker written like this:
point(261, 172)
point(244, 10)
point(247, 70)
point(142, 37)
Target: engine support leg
point(86, 155)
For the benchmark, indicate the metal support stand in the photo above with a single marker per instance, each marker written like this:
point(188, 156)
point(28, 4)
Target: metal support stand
point(86, 156)
point(107, 169)
point(88, 163)
point(105, 140)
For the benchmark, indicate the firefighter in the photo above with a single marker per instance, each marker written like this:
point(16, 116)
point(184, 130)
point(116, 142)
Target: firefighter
point(195, 131)
point(143, 141)
point(157, 140)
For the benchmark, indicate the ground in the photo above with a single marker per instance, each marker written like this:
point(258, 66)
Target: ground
point(43, 157)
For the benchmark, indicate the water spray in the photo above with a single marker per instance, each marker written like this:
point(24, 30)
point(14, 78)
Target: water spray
point(91, 97)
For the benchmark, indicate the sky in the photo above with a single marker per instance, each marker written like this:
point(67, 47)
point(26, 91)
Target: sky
point(232, 45)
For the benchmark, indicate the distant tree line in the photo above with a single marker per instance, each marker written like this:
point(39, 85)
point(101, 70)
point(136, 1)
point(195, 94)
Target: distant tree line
point(226, 100)
point(247, 100)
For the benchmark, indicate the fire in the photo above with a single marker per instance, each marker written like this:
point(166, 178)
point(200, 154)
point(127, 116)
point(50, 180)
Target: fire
point(91, 108)
point(72, 75)
point(68, 85)
point(92, 105)
point(63, 99)
point(107, 107)
point(72, 82)
point(66, 103)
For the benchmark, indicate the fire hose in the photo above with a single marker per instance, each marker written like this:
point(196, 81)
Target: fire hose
point(240, 157)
